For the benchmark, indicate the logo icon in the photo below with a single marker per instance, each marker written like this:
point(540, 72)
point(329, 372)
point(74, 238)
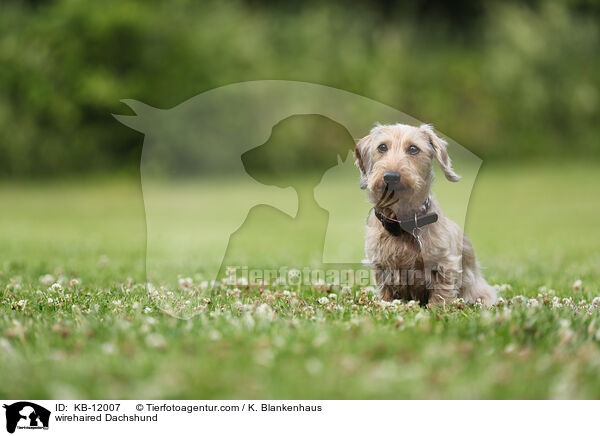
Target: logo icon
point(220, 193)
point(26, 415)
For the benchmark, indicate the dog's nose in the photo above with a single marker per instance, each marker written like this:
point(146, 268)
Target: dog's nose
point(391, 177)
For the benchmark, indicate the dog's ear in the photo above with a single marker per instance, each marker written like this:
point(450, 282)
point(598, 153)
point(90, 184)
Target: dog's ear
point(362, 160)
point(441, 153)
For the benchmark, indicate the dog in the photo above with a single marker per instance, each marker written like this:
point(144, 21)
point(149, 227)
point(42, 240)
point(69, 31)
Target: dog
point(415, 252)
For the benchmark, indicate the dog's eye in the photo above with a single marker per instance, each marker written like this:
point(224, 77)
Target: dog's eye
point(382, 148)
point(413, 149)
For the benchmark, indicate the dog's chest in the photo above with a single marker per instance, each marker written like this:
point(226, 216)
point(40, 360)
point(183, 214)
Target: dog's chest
point(392, 252)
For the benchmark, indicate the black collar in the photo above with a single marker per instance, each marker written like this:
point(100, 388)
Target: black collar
point(408, 223)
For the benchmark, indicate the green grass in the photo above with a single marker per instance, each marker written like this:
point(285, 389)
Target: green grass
point(534, 228)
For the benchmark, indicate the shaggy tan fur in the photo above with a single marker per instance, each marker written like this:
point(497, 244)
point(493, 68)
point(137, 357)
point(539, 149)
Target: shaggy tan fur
point(445, 267)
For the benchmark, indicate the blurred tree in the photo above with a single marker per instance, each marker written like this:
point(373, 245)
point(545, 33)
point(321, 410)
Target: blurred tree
point(505, 79)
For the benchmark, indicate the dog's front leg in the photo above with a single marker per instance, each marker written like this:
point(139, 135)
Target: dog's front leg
point(441, 297)
point(443, 288)
point(384, 282)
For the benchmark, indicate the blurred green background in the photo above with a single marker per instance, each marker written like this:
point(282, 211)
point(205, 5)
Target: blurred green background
point(507, 80)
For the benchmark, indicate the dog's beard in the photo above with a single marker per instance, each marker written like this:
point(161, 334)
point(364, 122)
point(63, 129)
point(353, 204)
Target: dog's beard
point(398, 198)
point(386, 199)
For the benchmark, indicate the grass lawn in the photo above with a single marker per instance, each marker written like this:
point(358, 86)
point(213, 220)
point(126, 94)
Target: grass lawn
point(76, 321)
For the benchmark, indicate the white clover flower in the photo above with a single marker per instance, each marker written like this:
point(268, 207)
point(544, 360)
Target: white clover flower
point(264, 357)
point(50, 300)
point(596, 301)
point(74, 282)
point(56, 287)
point(320, 339)
point(486, 316)
point(6, 348)
point(313, 366)
point(21, 302)
point(248, 320)
point(532, 302)
point(370, 290)
point(47, 279)
point(319, 284)
point(421, 316)
point(109, 348)
point(517, 299)
point(14, 285)
point(214, 335)
point(577, 285)
point(156, 340)
point(185, 282)
point(323, 300)
point(412, 304)
point(235, 292)
point(265, 312)
point(355, 321)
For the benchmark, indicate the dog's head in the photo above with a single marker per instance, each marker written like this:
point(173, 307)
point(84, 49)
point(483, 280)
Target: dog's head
point(396, 163)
